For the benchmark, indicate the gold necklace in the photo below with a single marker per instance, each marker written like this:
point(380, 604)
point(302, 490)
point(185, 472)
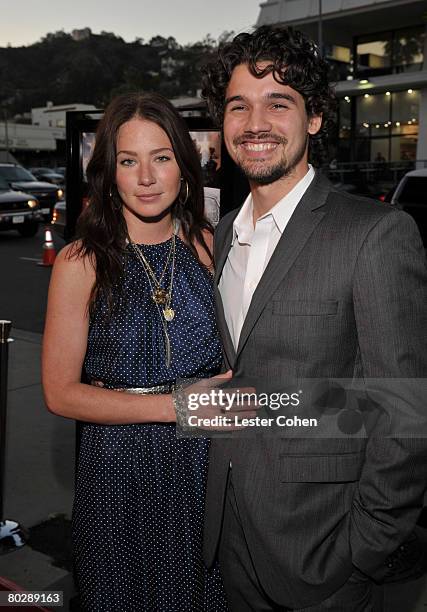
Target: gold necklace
point(160, 295)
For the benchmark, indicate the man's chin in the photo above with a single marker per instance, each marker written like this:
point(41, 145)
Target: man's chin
point(265, 176)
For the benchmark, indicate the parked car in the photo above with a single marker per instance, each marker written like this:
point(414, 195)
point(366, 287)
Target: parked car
point(20, 179)
point(59, 218)
point(410, 195)
point(19, 211)
point(48, 175)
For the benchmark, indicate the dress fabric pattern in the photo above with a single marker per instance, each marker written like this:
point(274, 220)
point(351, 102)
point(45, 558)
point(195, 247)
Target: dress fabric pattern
point(139, 502)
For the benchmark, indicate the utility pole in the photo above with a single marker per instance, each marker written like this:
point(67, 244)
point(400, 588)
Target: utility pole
point(6, 133)
point(320, 30)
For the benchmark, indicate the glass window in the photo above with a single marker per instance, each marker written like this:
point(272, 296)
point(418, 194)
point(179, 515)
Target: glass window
point(340, 62)
point(387, 125)
point(379, 150)
point(374, 54)
point(386, 52)
point(345, 117)
point(404, 147)
point(405, 107)
point(363, 149)
point(16, 173)
point(373, 112)
point(408, 49)
point(343, 150)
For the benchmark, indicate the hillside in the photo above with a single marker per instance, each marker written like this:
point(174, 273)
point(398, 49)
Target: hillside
point(93, 69)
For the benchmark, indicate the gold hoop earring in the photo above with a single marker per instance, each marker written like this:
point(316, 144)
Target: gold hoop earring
point(187, 193)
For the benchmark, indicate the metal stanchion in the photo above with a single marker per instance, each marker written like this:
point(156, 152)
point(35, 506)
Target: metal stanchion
point(11, 533)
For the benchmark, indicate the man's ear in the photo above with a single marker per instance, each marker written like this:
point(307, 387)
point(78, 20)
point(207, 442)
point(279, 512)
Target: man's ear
point(314, 124)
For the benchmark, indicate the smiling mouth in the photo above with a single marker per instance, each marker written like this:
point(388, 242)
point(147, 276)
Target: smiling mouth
point(259, 146)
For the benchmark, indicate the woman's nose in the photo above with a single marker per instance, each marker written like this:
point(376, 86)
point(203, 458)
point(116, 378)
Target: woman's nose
point(146, 175)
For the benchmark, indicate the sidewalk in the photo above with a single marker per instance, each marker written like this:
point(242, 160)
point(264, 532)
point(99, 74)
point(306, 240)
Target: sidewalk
point(39, 468)
point(39, 484)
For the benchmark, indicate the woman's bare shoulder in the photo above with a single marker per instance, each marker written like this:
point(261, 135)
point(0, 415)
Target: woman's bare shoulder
point(74, 267)
point(73, 258)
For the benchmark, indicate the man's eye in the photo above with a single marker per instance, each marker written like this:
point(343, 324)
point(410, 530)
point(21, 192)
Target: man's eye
point(237, 108)
point(279, 106)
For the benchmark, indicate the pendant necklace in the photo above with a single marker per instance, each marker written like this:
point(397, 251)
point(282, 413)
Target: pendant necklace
point(160, 296)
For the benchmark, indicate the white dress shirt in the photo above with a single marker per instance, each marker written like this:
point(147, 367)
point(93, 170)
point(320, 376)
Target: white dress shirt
point(251, 250)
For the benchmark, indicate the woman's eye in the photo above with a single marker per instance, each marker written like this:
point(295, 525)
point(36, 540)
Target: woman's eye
point(163, 158)
point(126, 162)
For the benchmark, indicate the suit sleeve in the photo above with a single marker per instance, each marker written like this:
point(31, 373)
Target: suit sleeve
point(390, 305)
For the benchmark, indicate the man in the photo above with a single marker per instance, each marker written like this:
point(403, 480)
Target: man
point(312, 283)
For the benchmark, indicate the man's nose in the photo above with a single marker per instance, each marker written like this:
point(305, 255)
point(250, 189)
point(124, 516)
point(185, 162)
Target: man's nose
point(257, 121)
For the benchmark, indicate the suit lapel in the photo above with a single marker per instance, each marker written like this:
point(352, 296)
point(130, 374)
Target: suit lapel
point(221, 253)
point(304, 220)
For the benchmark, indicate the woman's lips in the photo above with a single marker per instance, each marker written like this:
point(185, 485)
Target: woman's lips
point(148, 197)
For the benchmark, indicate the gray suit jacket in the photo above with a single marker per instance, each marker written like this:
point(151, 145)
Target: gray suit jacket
point(344, 295)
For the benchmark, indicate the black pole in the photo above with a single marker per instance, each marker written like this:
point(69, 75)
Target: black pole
point(320, 30)
point(11, 533)
point(5, 327)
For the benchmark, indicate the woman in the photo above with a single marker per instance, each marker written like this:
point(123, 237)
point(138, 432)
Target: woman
point(131, 302)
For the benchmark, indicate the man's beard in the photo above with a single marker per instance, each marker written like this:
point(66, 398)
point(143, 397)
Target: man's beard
point(267, 174)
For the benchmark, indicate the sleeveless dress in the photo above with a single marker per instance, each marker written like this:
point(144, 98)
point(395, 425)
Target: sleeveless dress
point(139, 502)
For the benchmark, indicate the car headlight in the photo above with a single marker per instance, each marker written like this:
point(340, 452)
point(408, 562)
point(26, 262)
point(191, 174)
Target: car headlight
point(59, 194)
point(32, 203)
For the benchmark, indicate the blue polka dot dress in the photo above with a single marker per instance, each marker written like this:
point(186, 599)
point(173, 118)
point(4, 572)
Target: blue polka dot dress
point(139, 502)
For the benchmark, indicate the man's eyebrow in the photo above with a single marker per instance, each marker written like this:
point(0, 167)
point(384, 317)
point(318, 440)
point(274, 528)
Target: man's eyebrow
point(274, 95)
point(233, 99)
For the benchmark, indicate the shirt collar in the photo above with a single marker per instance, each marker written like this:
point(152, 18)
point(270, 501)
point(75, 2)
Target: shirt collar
point(243, 228)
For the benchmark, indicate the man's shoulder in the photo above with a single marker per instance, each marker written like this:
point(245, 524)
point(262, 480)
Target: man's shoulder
point(367, 208)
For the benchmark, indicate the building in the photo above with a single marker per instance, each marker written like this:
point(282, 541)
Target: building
point(51, 116)
point(378, 54)
point(43, 142)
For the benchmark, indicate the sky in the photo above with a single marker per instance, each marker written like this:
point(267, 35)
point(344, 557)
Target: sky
point(25, 22)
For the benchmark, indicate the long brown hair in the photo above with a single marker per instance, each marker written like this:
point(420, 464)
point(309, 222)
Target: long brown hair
point(101, 228)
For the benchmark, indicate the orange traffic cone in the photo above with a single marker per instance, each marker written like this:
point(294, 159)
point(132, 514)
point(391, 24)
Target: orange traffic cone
point(49, 252)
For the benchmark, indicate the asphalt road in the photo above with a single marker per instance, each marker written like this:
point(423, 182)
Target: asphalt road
point(23, 284)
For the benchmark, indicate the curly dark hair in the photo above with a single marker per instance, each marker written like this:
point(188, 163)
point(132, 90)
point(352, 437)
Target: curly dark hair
point(293, 59)
point(101, 229)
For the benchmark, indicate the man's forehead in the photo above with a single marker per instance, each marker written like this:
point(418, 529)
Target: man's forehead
point(242, 75)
